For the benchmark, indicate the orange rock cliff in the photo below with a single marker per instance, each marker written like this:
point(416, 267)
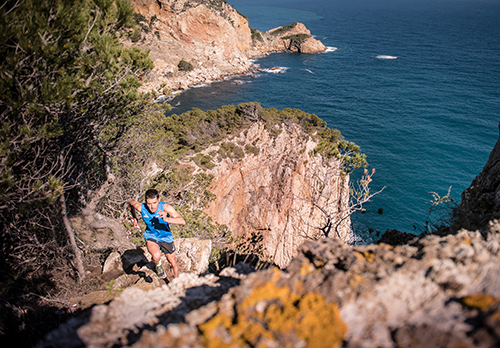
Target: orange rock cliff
point(213, 37)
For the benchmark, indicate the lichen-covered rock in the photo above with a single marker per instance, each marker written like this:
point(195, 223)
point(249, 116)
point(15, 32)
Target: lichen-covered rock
point(434, 292)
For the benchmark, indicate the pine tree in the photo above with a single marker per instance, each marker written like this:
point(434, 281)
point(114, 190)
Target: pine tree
point(68, 91)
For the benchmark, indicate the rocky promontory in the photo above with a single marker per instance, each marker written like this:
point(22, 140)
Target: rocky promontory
point(211, 38)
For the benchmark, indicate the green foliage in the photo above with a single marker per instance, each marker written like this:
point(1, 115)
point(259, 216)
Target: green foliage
point(185, 66)
point(196, 129)
point(69, 94)
point(135, 36)
point(284, 29)
point(256, 35)
point(297, 38)
point(230, 150)
point(203, 161)
point(198, 224)
point(252, 149)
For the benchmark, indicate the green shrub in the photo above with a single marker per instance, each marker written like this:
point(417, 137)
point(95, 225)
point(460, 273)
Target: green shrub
point(203, 161)
point(135, 36)
point(284, 29)
point(185, 66)
point(252, 149)
point(297, 38)
point(256, 35)
point(231, 150)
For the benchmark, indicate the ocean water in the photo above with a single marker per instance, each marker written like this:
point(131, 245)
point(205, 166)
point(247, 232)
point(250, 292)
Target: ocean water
point(415, 83)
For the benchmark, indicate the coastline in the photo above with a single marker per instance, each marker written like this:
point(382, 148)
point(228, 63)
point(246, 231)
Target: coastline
point(212, 43)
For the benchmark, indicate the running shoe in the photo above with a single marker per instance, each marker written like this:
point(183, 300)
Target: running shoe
point(159, 271)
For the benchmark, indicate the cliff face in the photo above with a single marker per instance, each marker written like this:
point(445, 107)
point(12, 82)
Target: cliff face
point(480, 202)
point(269, 197)
point(210, 35)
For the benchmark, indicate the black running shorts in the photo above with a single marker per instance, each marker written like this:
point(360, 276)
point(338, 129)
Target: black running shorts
point(167, 248)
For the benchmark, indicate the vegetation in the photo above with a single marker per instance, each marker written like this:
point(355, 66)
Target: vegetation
point(297, 38)
point(256, 35)
point(68, 94)
point(185, 66)
point(284, 29)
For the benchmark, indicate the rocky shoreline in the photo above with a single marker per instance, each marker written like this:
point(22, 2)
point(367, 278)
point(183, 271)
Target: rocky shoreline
point(213, 41)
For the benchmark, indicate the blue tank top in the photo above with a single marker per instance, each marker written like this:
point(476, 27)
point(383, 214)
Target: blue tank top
point(156, 228)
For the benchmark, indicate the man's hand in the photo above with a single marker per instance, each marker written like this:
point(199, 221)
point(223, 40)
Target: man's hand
point(163, 215)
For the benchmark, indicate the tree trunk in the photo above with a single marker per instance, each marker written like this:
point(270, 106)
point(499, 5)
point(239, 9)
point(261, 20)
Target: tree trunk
point(71, 235)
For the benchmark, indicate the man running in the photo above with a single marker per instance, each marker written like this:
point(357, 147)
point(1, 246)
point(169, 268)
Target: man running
point(157, 216)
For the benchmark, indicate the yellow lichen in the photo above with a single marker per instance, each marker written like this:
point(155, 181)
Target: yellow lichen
point(359, 256)
point(369, 256)
point(479, 301)
point(356, 280)
point(306, 268)
point(276, 314)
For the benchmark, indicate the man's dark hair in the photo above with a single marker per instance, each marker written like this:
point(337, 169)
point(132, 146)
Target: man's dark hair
point(151, 194)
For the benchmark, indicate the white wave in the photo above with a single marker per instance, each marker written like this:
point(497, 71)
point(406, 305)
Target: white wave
point(383, 56)
point(276, 70)
point(201, 85)
point(330, 49)
point(309, 71)
point(240, 82)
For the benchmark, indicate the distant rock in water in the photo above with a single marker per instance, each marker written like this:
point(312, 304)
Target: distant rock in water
point(394, 237)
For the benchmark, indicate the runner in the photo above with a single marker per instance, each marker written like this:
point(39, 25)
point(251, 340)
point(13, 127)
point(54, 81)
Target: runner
point(158, 216)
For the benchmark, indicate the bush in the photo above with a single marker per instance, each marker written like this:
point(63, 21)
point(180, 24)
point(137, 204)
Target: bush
point(256, 35)
point(297, 38)
point(284, 29)
point(185, 66)
point(135, 36)
point(252, 149)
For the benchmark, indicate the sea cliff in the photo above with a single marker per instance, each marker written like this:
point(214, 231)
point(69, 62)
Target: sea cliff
point(211, 36)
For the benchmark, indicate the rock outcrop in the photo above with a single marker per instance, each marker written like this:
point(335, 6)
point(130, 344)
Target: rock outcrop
point(211, 36)
point(268, 196)
point(433, 292)
point(480, 202)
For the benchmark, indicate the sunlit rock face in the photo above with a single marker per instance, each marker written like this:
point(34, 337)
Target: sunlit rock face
point(269, 197)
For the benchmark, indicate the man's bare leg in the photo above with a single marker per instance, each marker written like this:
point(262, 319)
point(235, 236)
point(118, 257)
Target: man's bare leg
point(173, 262)
point(154, 250)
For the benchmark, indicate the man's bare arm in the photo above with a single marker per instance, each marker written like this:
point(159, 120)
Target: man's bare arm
point(171, 216)
point(134, 205)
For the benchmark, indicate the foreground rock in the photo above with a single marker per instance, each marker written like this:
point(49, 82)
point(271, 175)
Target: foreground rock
point(434, 292)
point(211, 36)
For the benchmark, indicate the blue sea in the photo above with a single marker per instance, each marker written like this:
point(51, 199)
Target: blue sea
point(414, 83)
